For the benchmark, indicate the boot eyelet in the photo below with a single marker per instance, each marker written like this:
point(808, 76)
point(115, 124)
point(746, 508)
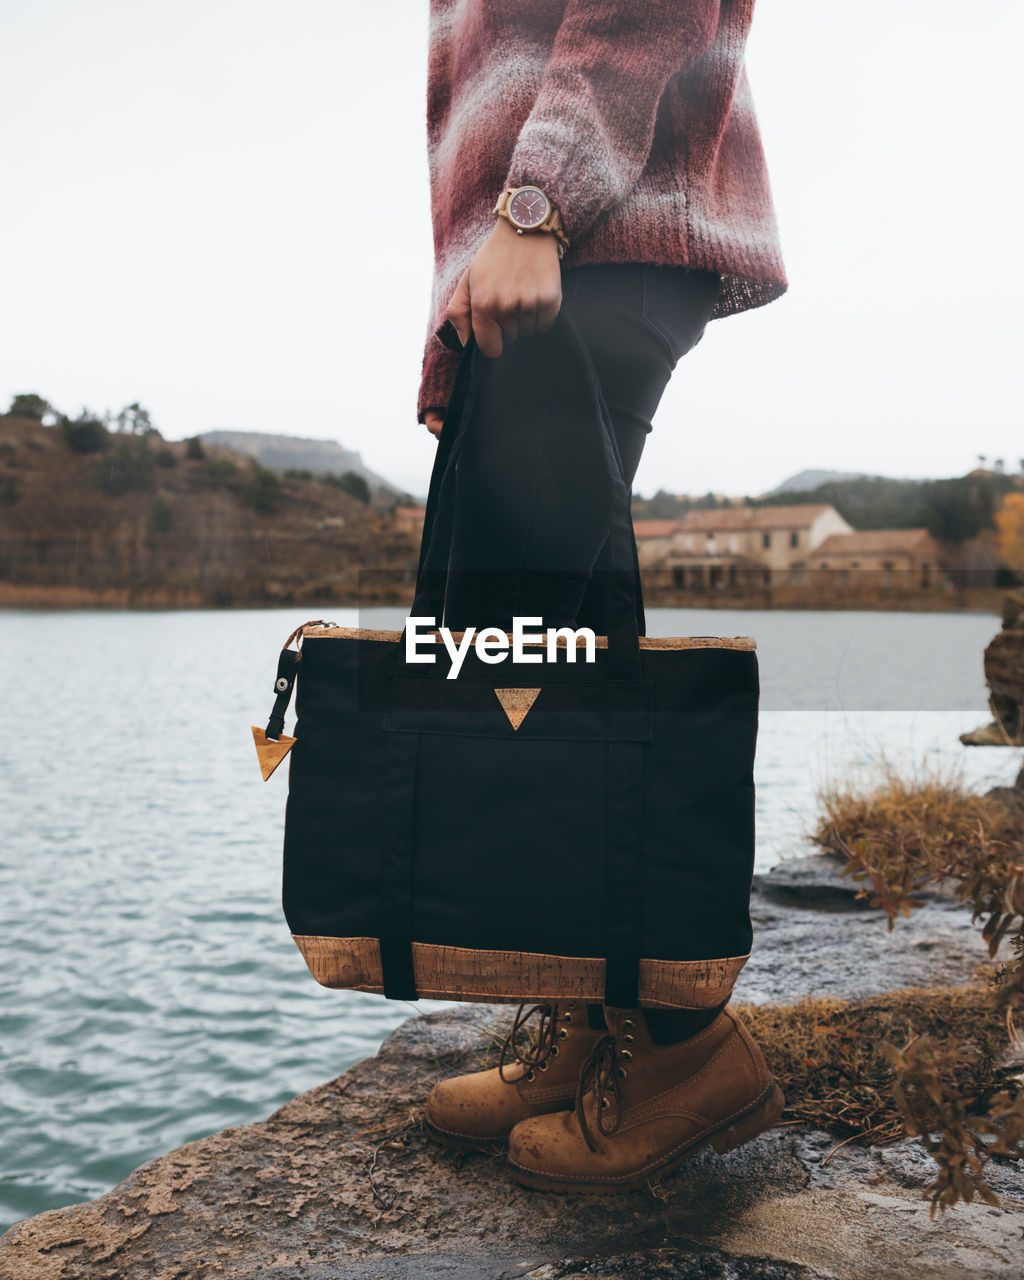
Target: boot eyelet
point(530, 1075)
point(543, 1066)
point(567, 1017)
point(563, 1034)
point(604, 1104)
point(554, 1051)
point(628, 1022)
point(628, 1039)
point(625, 1053)
point(622, 1073)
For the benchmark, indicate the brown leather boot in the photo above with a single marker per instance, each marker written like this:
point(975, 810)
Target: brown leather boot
point(476, 1112)
point(643, 1108)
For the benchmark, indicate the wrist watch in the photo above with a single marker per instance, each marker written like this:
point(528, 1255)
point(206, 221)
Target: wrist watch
point(528, 209)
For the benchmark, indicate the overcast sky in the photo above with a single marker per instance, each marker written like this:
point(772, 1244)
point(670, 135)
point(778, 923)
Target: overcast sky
point(220, 208)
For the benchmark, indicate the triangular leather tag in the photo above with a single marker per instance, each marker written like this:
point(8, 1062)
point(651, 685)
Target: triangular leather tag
point(516, 703)
point(270, 753)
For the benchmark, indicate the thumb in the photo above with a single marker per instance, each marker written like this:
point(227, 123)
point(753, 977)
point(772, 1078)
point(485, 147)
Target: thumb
point(459, 308)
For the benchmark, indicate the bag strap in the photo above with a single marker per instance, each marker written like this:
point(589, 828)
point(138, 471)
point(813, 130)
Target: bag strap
point(626, 620)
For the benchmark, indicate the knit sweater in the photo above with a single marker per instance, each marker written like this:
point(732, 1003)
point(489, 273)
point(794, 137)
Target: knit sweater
point(634, 116)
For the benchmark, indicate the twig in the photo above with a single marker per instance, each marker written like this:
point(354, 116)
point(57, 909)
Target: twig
point(863, 1134)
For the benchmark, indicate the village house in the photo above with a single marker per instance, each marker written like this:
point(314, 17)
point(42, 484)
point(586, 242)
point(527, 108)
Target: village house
point(777, 545)
point(410, 519)
point(732, 546)
point(909, 557)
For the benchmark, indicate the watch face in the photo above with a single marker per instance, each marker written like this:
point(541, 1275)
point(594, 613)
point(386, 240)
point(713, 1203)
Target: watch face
point(528, 207)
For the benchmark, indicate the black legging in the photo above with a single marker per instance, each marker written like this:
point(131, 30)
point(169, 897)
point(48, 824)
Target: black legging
point(531, 516)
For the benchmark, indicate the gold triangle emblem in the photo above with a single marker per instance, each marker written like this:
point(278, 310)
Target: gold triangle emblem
point(270, 753)
point(516, 703)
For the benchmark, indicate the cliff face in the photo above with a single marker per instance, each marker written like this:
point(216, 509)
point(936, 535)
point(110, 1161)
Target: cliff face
point(281, 453)
point(341, 1182)
point(143, 523)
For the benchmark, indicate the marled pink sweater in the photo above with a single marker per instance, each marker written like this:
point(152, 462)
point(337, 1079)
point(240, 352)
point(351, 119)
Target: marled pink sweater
point(634, 116)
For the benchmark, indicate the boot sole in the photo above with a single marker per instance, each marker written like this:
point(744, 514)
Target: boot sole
point(762, 1114)
point(463, 1142)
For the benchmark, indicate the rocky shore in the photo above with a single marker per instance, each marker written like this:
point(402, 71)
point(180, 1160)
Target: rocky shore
point(340, 1183)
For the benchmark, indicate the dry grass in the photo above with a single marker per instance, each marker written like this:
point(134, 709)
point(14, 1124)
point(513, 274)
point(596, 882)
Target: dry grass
point(898, 838)
point(907, 834)
point(825, 1053)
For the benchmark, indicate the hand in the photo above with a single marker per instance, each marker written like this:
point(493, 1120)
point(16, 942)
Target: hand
point(511, 289)
point(433, 420)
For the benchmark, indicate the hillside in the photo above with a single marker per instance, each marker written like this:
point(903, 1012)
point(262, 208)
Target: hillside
point(953, 510)
point(811, 479)
point(142, 521)
point(299, 453)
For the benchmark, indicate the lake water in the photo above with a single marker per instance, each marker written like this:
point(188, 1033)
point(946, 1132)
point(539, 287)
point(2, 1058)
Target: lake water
point(149, 990)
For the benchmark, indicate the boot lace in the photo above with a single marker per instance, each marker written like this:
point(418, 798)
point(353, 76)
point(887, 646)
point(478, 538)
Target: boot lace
point(535, 1054)
point(602, 1073)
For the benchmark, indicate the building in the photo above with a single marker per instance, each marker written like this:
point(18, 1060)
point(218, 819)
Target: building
point(734, 546)
point(410, 518)
point(908, 557)
point(777, 546)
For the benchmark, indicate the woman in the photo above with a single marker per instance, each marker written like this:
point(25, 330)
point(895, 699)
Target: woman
point(594, 164)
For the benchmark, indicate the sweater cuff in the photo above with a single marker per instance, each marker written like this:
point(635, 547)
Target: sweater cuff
point(440, 366)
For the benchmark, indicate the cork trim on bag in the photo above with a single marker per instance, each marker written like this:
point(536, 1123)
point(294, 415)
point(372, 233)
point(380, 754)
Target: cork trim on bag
point(601, 642)
point(509, 977)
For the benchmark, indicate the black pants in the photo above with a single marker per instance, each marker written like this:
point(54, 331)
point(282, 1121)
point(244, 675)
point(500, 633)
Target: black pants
point(531, 512)
point(531, 517)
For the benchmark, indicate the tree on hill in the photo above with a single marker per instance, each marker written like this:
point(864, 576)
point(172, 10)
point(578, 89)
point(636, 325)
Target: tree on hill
point(1010, 524)
point(84, 434)
point(262, 491)
point(30, 406)
point(951, 510)
point(352, 483)
point(135, 420)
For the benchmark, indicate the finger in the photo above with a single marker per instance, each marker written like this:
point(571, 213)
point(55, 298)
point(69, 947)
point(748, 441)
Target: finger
point(527, 322)
point(510, 326)
point(547, 312)
point(434, 428)
point(489, 337)
point(459, 312)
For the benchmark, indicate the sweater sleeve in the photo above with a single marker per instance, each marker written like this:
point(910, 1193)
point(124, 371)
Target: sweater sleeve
point(589, 134)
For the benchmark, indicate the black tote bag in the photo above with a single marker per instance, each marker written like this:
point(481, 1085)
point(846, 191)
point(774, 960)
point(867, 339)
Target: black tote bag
point(564, 830)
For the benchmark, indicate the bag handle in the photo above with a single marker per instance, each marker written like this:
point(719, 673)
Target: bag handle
point(626, 621)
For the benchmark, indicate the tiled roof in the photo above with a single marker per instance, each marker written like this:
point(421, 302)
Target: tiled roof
point(877, 541)
point(655, 528)
point(732, 518)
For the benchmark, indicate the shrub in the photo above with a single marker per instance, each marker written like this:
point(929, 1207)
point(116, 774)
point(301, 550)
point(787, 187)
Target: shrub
point(128, 467)
point(901, 837)
point(223, 469)
point(194, 450)
point(166, 458)
point(351, 482)
point(161, 516)
point(298, 473)
point(30, 406)
point(84, 434)
point(262, 491)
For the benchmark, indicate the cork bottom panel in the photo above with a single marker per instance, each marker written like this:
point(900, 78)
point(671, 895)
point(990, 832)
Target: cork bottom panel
point(461, 973)
point(745, 643)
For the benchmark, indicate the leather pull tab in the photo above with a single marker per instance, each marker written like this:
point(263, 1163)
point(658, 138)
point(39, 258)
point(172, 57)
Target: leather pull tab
point(270, 753)
point(287, 669)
